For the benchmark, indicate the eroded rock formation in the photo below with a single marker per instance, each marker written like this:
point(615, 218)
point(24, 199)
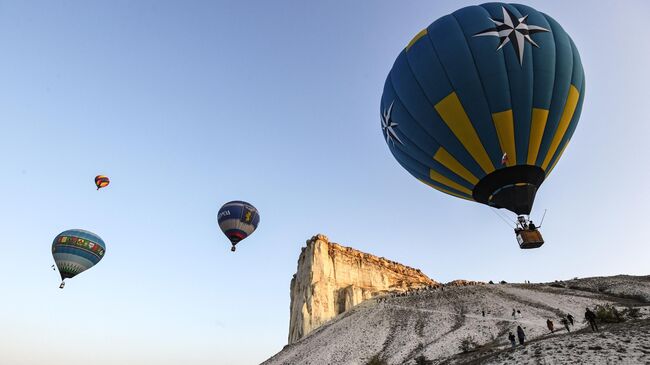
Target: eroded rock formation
point(462, 282)
point(332, 279)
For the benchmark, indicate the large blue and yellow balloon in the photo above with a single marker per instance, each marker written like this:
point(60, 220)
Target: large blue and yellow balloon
point(482, 103)
point(76, 251)
point(238, 220)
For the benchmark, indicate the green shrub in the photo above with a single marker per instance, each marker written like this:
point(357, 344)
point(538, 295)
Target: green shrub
point(608, 314)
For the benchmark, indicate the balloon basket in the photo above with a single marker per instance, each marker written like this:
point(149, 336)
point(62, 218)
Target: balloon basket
point(529, 238)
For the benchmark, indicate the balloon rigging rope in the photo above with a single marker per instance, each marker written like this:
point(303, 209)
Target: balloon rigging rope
point(502, 218)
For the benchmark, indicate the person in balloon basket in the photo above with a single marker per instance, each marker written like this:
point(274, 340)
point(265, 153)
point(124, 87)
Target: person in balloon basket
point(521, 335)
point(521, 223)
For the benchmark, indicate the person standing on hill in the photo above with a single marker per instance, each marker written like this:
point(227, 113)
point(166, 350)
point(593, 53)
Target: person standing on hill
point(513, 314)
point(570, 318)
point(591, 318)
point(565, 322)
point(511, 337)
point(520, 335)
point(549, 324)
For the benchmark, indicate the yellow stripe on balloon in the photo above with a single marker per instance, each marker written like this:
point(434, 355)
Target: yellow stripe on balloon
point(537, 126)
point(417, 37)
point(446, 191)
point(453, 114)
point(505, 126)
point(448, 161)
point(439, 178)
point(565, 120)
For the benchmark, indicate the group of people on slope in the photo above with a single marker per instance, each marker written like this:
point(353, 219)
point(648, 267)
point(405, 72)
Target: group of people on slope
point(409, 292)
point(521, 336)
point(567, 320)
point(516, 313)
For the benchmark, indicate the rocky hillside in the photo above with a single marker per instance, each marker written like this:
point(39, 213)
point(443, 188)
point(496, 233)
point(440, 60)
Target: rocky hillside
point(331, 279)
point(446, 325)
point(621, 343)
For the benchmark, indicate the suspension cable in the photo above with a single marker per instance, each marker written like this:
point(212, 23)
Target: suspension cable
point(503, 219)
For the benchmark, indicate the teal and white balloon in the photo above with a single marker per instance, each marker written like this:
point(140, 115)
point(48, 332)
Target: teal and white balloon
point(76, 251)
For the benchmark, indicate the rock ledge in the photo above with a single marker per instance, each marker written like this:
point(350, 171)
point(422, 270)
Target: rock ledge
point(332, 278)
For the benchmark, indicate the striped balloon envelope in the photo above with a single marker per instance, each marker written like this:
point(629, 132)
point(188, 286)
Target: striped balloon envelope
point(482, 103)
point(76, 251)
point(238, 220)
point(101, 181)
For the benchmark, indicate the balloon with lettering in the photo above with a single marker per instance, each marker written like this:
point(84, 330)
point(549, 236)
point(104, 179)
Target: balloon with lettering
point(76, 251)
point(238, 220)
point(482, 103)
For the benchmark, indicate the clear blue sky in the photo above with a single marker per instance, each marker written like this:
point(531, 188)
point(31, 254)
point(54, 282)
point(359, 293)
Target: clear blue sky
point(187, 105)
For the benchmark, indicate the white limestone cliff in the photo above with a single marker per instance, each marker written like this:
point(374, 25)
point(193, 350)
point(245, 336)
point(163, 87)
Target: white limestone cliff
point(331, 279)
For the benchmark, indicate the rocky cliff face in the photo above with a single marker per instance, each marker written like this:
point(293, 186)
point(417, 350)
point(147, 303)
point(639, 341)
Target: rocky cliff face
point(331, 279)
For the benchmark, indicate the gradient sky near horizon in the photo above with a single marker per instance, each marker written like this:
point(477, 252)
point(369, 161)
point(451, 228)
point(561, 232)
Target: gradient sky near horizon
point(189, 104)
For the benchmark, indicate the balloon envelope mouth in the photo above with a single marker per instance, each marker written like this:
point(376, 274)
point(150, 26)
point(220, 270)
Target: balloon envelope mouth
point(512, 188)
point(66, 275)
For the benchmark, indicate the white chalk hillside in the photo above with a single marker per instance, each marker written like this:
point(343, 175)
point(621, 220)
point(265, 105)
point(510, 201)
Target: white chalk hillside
point(434, 324)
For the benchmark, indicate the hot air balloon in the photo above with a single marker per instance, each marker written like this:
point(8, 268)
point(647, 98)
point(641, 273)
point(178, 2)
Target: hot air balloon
point(101, 181)
point(76, 251)
point(238, 220)
point(481, 104)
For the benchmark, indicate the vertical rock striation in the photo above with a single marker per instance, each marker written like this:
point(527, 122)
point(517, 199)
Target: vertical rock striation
point(332, 279)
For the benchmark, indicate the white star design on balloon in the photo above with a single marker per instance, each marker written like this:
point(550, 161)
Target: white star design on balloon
point(514, 30)
point(387, 125)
